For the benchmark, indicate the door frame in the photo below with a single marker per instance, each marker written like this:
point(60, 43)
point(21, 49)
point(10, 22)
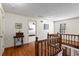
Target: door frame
point(35, 27)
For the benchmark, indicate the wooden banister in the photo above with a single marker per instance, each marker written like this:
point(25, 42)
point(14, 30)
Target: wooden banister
point(50, 46)
point(71, 40)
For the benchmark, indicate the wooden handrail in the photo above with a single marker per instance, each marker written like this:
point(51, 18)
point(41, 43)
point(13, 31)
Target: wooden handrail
point(46, 47)
point(71, 34)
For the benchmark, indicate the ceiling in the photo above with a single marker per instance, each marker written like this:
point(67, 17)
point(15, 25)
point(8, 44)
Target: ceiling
point(54, 11)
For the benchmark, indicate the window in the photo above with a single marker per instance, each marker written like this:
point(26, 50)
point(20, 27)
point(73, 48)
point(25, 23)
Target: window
point(46, 26)
point(62, 28)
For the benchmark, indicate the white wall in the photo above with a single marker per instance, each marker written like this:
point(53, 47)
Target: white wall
point(72, 25)
point(11, 19)
point(41, 33)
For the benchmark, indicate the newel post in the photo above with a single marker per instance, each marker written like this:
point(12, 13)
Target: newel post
point(36, 47)
point(47, 35)
point(60, 40)
point(48, 43)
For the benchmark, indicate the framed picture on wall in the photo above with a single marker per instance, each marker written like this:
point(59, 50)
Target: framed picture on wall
point(18, 25)
point(46, 26)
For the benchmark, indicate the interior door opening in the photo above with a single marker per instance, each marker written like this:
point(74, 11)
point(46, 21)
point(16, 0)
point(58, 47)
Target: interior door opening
point(32, 31)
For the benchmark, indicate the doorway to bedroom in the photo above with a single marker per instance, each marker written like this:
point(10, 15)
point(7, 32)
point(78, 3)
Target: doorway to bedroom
point(32, 30)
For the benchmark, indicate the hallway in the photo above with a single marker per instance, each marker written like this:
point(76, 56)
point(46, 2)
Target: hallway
point(25, 50)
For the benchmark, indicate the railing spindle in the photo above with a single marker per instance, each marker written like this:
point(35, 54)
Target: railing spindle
point(74, 40)
point(45, 48)
point(71, 39)
point(78, 42)
point(41, 48)
point(66, 38)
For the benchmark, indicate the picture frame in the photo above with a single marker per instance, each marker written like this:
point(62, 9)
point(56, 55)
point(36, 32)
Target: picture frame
point(18, 25)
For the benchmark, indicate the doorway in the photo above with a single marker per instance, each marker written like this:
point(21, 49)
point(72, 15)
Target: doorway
point(32, 30)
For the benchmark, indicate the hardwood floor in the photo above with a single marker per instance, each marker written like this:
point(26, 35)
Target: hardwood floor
point(25, 50)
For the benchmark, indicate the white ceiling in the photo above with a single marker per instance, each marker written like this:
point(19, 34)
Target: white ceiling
point(54, 11)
